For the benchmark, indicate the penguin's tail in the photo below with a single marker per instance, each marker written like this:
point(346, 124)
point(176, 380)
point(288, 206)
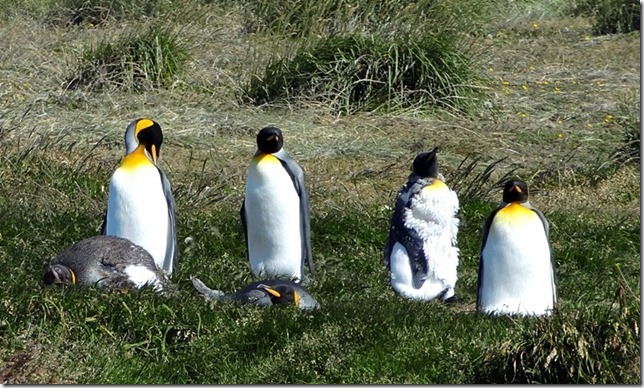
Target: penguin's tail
point(207, 293)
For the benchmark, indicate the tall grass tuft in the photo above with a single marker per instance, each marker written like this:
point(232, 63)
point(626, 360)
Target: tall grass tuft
point(610, 16)
point(358, 73)
point(368, 55)
point(98, 12)
point(139, 60)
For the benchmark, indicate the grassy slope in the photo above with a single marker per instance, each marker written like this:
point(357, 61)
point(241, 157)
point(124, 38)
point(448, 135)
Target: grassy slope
point(58, 150)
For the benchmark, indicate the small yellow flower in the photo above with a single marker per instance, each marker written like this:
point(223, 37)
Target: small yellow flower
point(556, 89)
point(560, 136)
point(589, 125)
point(535, 25)
point(490, 69)
point(598, 83)
point(90, 25)
point(531, 68)
point(524, 87)
point(507, 91)
point(587, 37)
point(521, 114)
point(608, 118)
point(573, 82)
point(505, 83)
point(559, 121)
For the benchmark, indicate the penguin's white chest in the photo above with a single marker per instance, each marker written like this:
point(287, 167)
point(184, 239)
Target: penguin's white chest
point(518, 277)
point(272, 211)
point(432, 215)
point(142, 276)
point(137, 209)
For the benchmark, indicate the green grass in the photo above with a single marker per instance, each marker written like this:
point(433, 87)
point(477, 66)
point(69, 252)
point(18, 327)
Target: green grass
point(364, 332)
point(572, 133)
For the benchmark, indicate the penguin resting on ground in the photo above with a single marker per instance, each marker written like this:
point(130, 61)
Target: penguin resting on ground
point(275, 212)
point(516, 268)
point(141, 205)
point(263, 293)
point(106, 261)
point(420, 251)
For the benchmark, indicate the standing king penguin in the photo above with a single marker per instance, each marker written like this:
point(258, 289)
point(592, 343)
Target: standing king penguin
point(140, 205)
point(275, 212)
point(421, 252)
point(516, 270)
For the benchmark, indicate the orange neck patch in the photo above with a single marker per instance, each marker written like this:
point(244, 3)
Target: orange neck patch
point(437, 184)
point(515, 212)
point(135, 159)
point(265, 158)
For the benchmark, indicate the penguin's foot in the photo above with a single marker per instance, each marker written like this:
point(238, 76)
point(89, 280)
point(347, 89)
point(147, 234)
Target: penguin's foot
point(447, 295)
point(207, 293)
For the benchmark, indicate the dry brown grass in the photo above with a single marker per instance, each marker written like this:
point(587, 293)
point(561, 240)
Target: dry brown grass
point(552, 88)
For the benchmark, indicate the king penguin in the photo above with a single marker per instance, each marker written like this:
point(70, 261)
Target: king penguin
point(275, 212)
point(106, 261)
point(421, 252)
point(516, 269)
point(141, 205)
point(268, 292)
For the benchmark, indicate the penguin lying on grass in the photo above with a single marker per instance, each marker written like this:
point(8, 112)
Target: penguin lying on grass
point(275, 212)
point(106, 261)
point(421, 252)
point(141, 205)
point(263, 293)
point(516, 269)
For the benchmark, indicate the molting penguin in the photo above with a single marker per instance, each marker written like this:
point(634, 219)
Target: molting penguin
point(141, 205)
point(516, 270)
point(275, 212)
point(263, 293)
point(106, 261)
point(421, 252)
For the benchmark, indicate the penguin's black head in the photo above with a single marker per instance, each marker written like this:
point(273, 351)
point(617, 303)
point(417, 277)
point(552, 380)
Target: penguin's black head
point(149, 134)
point(270, 140)
point(282, 294)
point(515, 190)
point(59, 274)
point(426, 164)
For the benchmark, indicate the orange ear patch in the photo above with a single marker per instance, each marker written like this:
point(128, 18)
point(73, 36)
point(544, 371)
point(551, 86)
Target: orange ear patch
point(142, 124)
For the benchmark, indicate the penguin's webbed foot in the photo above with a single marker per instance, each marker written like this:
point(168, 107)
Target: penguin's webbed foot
point(207, 293)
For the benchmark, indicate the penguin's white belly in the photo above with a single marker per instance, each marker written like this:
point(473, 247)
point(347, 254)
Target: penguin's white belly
point(142, 276)
point(433, 216)
point(272, 210)
point(137, 210)
point(401, 278)
point(517, 269)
